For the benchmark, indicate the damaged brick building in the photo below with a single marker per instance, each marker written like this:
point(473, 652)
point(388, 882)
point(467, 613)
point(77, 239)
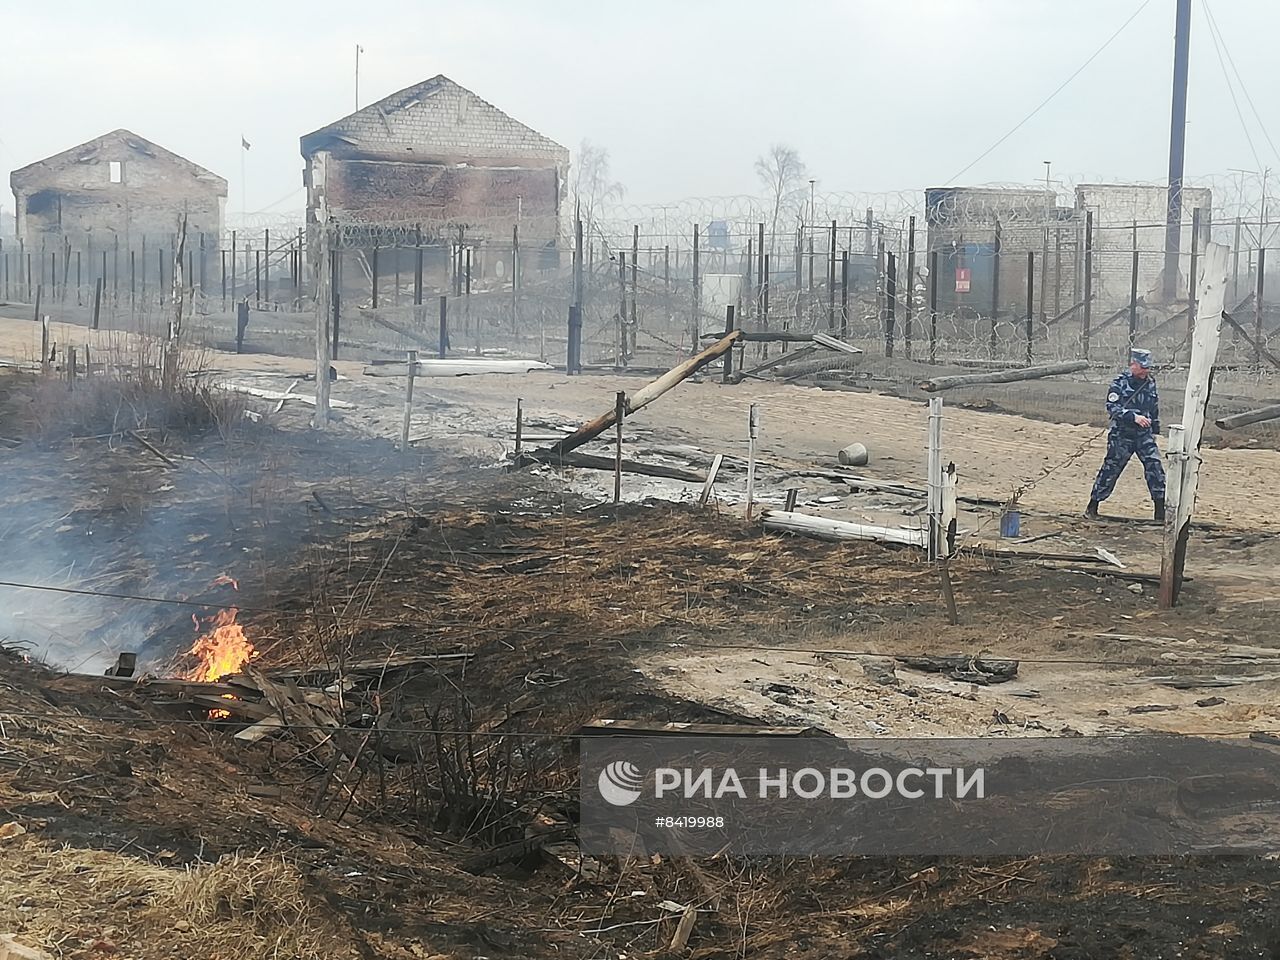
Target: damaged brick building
point(112, 205)
point(437, 158)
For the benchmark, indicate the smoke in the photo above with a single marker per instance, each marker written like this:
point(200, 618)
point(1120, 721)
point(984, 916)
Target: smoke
point(98, 512)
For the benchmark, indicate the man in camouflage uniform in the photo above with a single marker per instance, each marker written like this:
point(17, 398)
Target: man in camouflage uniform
point(1134, 407)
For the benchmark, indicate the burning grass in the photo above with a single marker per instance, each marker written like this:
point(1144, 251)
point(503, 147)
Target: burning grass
point(223, 650)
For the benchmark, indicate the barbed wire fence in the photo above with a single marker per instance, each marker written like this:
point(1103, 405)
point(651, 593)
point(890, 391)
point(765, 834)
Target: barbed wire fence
point(1000, 273)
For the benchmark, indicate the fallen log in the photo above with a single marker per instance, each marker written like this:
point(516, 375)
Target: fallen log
point(824, 364)
point(455, 367)
point(935, 384)
point(591, 462)
point(1251, 416)
point(825, 528)
point(646, 395)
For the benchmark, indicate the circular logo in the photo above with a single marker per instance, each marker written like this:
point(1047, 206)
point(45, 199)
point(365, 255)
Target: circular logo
point(1113, 397)
point(620, 783)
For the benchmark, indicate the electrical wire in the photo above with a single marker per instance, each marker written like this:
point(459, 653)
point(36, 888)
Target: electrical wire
point(1235, 102)
point(1213, 26)
point(1057, 90)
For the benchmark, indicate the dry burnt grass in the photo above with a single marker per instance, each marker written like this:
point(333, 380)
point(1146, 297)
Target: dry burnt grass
point(165, 845)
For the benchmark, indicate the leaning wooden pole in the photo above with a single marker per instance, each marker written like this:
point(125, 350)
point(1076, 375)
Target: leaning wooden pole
point(645, 395)
point(1183, 454)
point(1003, 376)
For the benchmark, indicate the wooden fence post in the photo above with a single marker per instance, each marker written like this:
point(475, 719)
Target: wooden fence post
point(412, 369)
point(1031, 289)
point(619, 412)
point(933, 306)
point(909, 302)
point(1088, 283)
point(753, 431)
point(995, 289)
point(933, 482)
point(728, 354)
point(443, 345)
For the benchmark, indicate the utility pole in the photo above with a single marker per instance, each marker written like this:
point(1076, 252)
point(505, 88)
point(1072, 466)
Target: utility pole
point(1177, 148)
point(359, 50)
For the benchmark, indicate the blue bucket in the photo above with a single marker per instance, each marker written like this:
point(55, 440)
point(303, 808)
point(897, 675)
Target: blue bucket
point(1010, 524)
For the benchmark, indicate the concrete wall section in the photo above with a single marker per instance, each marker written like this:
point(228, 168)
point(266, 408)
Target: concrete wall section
point(1117, 208)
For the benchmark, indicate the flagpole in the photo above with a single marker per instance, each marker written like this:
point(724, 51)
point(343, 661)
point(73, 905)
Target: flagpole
point(243, 188)
point(357, 76)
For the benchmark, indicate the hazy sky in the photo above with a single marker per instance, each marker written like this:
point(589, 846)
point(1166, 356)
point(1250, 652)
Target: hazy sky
point(683, 93)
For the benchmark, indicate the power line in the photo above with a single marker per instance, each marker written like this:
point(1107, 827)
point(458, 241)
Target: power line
point(1213, 23)
point(1235, 102)
point(1043, 103)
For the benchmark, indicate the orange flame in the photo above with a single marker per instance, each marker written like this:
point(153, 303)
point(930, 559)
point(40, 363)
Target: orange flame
point(223, 650)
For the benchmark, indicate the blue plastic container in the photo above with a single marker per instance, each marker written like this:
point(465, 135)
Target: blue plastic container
point(1010, 524)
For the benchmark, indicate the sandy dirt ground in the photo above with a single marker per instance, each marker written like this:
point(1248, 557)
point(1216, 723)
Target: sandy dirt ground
point(802, 429)
point(667, 613)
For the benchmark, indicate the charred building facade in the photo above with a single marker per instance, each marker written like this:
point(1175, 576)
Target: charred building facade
point(114, 200)
point(436, 161)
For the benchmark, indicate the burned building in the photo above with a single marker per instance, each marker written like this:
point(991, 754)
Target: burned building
point(435, 160)
point(115, 199)
point(975, 229)
point(1129, 217)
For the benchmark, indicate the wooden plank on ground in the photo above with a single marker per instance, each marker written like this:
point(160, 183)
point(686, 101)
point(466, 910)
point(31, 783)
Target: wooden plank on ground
point(831, 343)
point(608, 726)
point(591, 462)
point(824, 528)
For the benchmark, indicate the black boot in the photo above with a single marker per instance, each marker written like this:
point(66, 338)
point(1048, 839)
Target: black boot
point(1159, 504)
point(1091, 511)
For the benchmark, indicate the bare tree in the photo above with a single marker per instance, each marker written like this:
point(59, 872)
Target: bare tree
point(592, 185)
point(782, 172)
